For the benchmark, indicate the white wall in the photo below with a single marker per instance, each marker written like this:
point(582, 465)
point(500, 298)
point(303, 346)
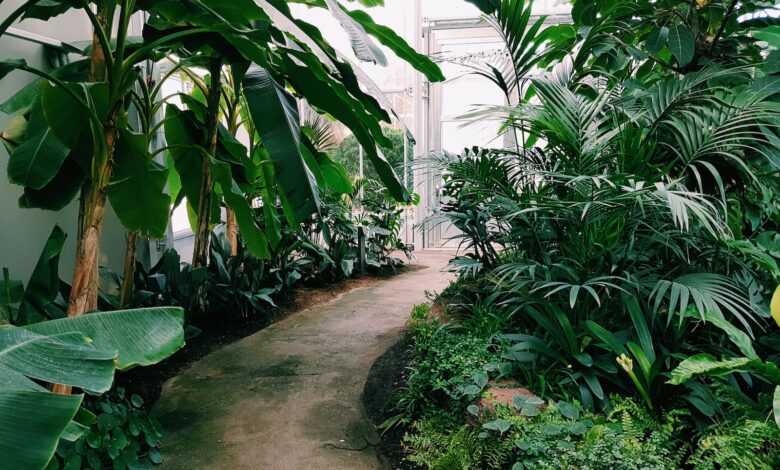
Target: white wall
point(23, 232)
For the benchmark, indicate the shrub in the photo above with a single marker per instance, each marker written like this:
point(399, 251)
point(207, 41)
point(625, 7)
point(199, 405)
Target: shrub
point(746, 444)
point(122, 435)
point(444, 361)
point(561, 436)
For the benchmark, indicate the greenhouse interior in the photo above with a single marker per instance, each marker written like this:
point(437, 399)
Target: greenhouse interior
point(390, 234)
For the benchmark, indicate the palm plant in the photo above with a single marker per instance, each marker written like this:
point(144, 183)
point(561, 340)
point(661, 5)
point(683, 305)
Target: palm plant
point(613, 203)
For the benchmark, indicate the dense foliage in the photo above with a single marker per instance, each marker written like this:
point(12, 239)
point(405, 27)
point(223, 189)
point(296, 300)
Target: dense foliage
point(89, 128)
point(621, 251)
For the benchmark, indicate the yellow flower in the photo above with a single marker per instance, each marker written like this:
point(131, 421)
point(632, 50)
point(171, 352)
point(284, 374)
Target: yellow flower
point(702, 3)
point(626, 363)
point(774, 306)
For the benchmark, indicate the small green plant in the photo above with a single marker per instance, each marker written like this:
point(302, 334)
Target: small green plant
point(122, 435)
point(562, 435)
point(419, 314)
point(746, 444)
point(445, 362)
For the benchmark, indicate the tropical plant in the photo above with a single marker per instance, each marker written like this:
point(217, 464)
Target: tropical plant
point(80, 352)
point(122, 434)
point(108, 151)
point(57, 155)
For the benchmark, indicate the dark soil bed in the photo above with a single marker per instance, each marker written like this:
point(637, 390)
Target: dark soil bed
point(148, 381)
point(386, 377)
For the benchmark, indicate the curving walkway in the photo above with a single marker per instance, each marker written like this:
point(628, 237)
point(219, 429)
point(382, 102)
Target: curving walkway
point(288, 397)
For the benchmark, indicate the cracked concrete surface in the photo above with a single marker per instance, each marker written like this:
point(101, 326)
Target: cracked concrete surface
point(288, 397)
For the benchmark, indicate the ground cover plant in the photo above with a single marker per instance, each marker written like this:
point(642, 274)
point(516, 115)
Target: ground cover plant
point(619, 255)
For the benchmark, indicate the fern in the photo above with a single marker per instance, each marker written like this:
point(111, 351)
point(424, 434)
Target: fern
point(745, 444)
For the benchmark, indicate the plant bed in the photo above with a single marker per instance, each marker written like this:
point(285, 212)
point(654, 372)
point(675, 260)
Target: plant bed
point(385, 379)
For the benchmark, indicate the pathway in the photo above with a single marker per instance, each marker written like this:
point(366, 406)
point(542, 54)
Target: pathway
point(288, 397)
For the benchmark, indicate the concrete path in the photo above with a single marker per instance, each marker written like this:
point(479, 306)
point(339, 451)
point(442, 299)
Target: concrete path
point(288, 397)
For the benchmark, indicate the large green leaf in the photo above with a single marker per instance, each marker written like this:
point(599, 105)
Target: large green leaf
point(82, 352)
point(68, 358)
point(36, 162)
point(48, 9)
point(31, 423)
point(334, 175)
point(142, 337)
point(64, 114)
point(707, 365)
point(137, 190)
point(185, 139)
point(770, 35)
point(682, 44)
point(362, 45)
point(275, 116)
point(23, 100)
point(399, 46)
point(59, 192)
point(309, 78)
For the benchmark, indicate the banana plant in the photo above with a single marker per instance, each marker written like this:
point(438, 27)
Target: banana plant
point(77, 137)
point(301, 62)
point(81, 352)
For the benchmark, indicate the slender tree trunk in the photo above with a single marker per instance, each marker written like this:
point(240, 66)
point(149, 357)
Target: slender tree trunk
point(84, 287)
point(231, 228)
point(201, 250)
point(128, 273)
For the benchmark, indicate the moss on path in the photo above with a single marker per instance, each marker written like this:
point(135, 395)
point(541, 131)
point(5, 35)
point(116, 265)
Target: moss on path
point(288, 397)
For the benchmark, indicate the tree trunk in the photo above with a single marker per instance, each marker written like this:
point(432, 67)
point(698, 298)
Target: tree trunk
point(232, 231)
point(231, 226)
point(201, 250)
point(84, 288)
point(128, 273)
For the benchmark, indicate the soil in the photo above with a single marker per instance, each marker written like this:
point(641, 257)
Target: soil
point(386, 377)
point(147, 381)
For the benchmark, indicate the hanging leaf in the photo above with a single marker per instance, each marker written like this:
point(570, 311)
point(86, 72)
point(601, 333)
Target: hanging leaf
point(36, 162)
point(328, 96)
point(364, 47)
point(275, 115)
point(399, 46)
point(59, 192)
point(184, 138)
point(137, 190)
point(682, 44)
